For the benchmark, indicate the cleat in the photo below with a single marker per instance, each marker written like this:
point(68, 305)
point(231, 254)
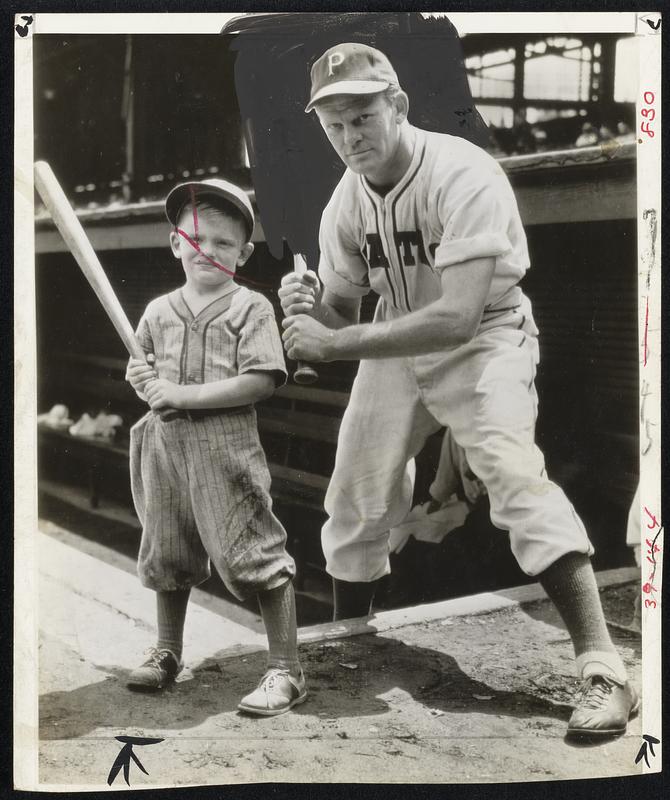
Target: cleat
point(603, 708)
point(277, 693)
point(157, 672)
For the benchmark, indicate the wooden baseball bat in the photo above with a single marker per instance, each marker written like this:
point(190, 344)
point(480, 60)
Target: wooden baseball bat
point(72, 232)
point(304, 374)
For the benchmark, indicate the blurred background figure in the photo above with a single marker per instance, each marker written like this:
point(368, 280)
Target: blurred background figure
point(624, 133)
point(588, 137)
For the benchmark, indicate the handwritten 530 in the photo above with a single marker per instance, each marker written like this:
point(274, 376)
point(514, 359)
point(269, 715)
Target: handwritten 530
point(648, 113)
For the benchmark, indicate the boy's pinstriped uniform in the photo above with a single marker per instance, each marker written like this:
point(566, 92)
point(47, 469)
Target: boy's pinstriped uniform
point(200, 482)
point(199, 476)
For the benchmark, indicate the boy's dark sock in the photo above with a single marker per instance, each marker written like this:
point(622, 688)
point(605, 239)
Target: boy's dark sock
point(571, 585)
point(278, 612)
point(352, 598)
point(171, 607)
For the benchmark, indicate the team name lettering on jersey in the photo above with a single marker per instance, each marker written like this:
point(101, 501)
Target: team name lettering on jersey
point(376, 257)
point(408, 243)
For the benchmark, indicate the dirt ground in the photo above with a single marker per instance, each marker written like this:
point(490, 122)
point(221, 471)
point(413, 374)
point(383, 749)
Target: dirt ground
point(463, 699)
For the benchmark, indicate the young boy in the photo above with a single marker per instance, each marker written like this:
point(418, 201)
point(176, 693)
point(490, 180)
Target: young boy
point(199, 477)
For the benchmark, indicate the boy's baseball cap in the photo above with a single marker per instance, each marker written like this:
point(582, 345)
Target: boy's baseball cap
point(350, 68)
point(183, 193)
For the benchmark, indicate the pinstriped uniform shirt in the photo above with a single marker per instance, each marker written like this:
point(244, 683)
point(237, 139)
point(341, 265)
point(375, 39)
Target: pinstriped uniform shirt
point(234, 334)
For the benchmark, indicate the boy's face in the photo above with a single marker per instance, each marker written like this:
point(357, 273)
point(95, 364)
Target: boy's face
point(211, 246)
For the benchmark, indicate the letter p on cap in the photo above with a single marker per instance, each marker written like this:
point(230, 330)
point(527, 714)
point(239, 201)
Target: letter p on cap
point(334, 60)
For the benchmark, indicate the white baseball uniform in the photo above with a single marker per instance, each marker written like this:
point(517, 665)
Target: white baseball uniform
point(453, 204)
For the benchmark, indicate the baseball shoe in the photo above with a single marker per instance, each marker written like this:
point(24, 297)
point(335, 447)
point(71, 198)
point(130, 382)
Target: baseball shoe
point(277, 693)
point(159, 670)
point(603, 708)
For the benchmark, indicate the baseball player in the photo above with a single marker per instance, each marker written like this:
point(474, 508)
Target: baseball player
point(199, 477)
point(430, 222)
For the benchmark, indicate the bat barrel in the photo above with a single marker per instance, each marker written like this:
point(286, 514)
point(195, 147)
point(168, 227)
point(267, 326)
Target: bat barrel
point(72, 232)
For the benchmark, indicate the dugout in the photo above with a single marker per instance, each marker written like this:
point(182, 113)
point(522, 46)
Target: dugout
point(147, 111)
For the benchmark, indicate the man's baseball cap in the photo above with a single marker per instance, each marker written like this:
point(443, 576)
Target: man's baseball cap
point(214, 187)
point(350, 68)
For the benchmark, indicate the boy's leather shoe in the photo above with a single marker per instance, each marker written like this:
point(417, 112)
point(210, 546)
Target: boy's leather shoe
point(159, 670)
point(277, 693)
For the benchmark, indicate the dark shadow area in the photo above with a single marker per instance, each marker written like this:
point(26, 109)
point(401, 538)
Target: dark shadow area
point(433, 679)
point(273, 57)
point(471, 559)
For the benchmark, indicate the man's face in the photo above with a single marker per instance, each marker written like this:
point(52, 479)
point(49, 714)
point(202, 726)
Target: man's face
point(210, 244)
point(364, 131)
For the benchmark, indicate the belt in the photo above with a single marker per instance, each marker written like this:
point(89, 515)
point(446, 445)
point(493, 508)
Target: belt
point(194, 414)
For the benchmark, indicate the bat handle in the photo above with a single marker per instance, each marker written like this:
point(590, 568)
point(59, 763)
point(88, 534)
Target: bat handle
point(305, 373)
point(166, 414)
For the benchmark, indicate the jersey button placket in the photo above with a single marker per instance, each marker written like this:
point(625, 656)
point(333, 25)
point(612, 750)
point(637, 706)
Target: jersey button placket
point(193, 352)
point(389, 239)
point(388, 252)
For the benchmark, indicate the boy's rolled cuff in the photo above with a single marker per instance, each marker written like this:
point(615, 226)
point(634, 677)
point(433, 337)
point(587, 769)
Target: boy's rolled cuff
point(242, 583)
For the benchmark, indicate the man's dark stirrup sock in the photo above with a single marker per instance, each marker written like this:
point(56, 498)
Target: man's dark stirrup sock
point(571, 585)
point(352, 598)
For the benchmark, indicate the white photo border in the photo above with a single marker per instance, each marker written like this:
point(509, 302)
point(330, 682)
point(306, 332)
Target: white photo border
point(25, 437)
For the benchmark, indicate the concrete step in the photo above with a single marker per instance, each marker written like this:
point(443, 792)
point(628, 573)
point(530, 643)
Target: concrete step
point(105, 614)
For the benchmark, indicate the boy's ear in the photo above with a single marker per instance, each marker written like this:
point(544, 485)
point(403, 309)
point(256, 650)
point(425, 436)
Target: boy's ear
point(245, 253)
point(175, 241)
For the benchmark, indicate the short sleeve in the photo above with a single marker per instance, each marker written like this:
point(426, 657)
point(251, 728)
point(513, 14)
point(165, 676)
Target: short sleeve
point(143, 334)
point(342, 268)
point(475, 215)
point(260, 349)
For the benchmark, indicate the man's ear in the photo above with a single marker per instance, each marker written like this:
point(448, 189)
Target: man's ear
point(245, 253)
point(175, 242)
point(401, 103)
